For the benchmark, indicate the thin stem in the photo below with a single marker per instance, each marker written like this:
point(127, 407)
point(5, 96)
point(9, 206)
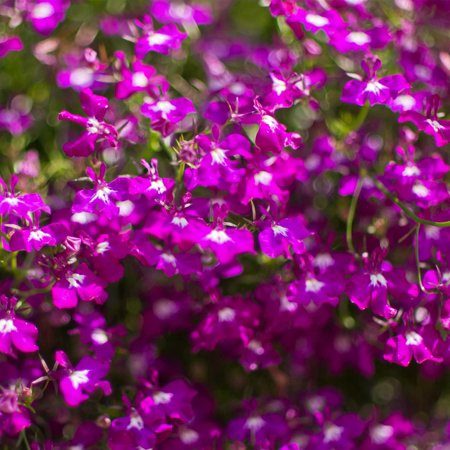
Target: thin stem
point(351, 215)
point(406, 210)
point(419, 272)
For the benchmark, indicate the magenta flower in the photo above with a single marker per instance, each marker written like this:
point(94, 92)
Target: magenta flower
point(164, 40)
point(15, 334)
point(165, 114)
point(10, 44)
point(372, 89)
point(77, 383)
point(74, 284)
point(98, 134)
point(45, 15)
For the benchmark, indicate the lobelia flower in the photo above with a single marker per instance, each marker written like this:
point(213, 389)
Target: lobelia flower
point(104, 197)
point(79, 283)
point(165, 114)
point(98, 134)
point(430, 124)
point(10, 44)
point(226, 242)
point(164, 40)
point(15, 333)
point(45, 15)
point(83, 70)
point(272, 136)
point(369, 287)
point(139, 77)
point(371, 89)
point(281, 236)
point(13, 204)
point(17, 119)
point(402, 348)
point(77, 383)
point(167, 11)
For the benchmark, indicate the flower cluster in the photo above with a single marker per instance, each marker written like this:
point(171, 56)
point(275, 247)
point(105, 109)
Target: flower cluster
point(224, 224)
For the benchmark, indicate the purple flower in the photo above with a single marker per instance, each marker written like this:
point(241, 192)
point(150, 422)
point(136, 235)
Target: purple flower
point(371, 89)
point(76, 383)
point(163, 40)
point(98, 132)
point(430, 124)
point(10, 44)
point(74, 284)
point(15, 332)
point(45, 15)
point(165, 114)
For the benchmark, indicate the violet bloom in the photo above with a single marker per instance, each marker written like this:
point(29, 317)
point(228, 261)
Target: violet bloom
point(15, 334)
point(273, 136)
point(74, 284)
point(103, 198)
point(402, 348)
point(10, 44)
point(165, 114)
point(45, 15)
point(139, 77)
point(163, 40)
point(168, 11)
point(430, 124)
point(17, 119)
point(77, 383)
point(282, 236)
point(13, 203)
point(371, 89)
point(369, 287)
point(98, 133)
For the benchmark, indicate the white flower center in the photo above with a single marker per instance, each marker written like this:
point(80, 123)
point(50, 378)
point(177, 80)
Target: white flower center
point(377, 279)
point(164, 308)
point(374, 86)
point(99, 336)
point(218, 236)
point(332, 433)
point(135, 422)
point(420, 190)
point(270, 122)
point(75, 280)
point(81, 77)
point(6, 326)
point(139, 80)
point(218, 156)
point(93, 126)
point(381, 433)
point(162, 398)
point(358, 38)
point(169, 259)
point(42, 11)
point(38, 235)
point(316, 20)
point(226, 315)
point(79, 377)
point(102, 194)
point(180, 222)
point(188, 436)
point(158, 186)
point(256, 347)
point(102, 247)
point(278, 229)
point(254, 423)
point(413, 339)
point(410, 171)
point(435, 125)
point(157, 39)
point(313, 285)
point(323, 260)
point(263, 178)
point(279, 86)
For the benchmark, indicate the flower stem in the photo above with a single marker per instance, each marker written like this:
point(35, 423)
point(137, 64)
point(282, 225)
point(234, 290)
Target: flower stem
point(406, 210)
point(351, 215)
